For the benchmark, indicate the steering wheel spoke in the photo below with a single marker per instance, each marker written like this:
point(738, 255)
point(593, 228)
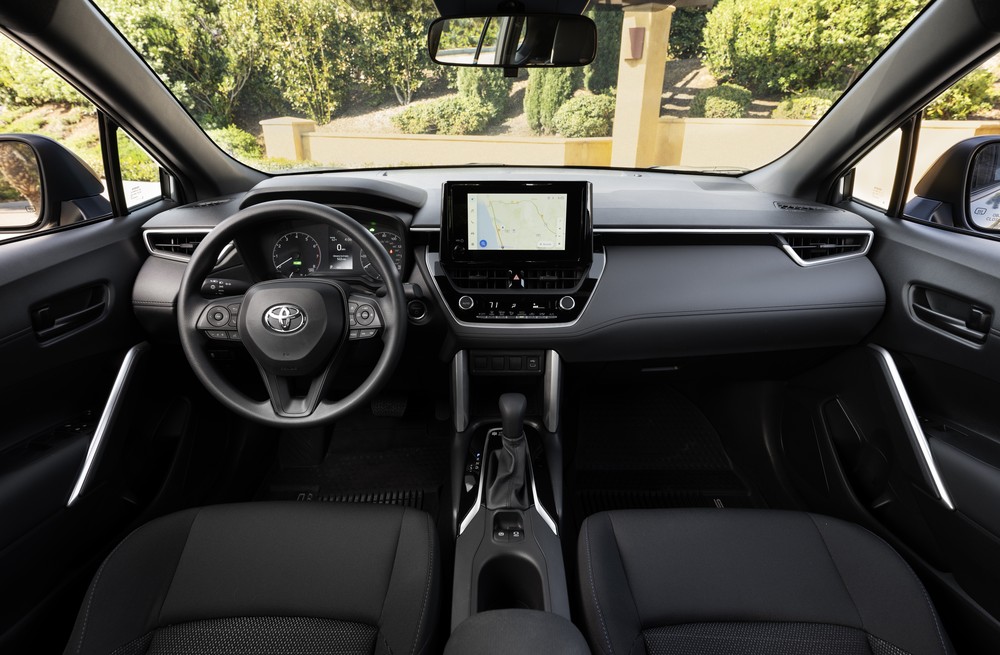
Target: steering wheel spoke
point(296, 397)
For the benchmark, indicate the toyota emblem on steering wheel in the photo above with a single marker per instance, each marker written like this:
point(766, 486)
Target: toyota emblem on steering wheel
point(284, 319)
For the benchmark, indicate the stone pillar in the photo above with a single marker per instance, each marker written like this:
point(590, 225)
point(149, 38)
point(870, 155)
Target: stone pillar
point(283, 137)
point(640, 84)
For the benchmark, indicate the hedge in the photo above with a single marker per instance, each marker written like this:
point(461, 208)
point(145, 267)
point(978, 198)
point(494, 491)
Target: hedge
point(586, 116)
point(723, 101)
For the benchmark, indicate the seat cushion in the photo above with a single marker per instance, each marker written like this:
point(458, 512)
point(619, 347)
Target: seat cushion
point(312, 577)
point(748, 581)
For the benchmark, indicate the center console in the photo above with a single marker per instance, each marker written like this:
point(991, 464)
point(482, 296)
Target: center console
point(516, 253)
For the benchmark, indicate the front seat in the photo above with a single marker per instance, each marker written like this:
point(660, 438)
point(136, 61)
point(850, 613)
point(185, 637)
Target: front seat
point(694, 582)
point(253, 578)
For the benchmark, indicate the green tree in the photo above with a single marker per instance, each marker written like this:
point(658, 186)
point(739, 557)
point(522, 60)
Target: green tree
point(391, 45)
point(601, 75)
point(26, 81)
point(548, 89)
point(775, 46)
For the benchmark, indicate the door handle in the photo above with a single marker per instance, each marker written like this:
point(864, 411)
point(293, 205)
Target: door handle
point(963, 318)
point(69, 311)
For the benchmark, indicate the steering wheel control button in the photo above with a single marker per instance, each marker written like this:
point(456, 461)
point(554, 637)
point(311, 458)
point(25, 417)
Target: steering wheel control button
point(566, 303)
point(466, 303)
point(234, 335)
point(218, 316)
point(367, 334)
point(284, 319)
point(221, 335)
point(355, 334)
point(365, 315)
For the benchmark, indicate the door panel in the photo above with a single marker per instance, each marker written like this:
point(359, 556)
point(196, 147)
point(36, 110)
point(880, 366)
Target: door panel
point(940, 329)
point(65, 327)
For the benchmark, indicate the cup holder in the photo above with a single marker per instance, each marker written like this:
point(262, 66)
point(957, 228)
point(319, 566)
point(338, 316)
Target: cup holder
point(510, 582)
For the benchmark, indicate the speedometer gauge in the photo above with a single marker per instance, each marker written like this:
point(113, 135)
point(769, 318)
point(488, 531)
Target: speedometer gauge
point(296, 254)
point(393, 244)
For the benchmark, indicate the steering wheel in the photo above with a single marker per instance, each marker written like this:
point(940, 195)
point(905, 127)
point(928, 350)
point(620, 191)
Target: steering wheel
point(297, 330)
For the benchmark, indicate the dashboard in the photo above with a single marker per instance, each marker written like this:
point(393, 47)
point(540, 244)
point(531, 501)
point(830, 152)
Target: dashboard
point(615, 266)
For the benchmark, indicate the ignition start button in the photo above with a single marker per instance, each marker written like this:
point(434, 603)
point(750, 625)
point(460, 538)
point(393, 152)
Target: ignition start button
point(218, 316)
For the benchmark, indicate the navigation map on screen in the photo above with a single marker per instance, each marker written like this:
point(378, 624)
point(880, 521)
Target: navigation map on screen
point(517, 221)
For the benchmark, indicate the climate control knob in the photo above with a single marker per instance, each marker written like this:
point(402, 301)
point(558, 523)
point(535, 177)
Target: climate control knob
point(466, 303)
point(567, 303)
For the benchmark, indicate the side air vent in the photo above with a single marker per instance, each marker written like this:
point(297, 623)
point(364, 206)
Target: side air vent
point(174, 244)
point(816, 248)
point(474, 277)
point(804, 207)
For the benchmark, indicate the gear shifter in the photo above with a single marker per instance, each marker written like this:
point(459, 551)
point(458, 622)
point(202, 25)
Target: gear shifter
point(507, 470)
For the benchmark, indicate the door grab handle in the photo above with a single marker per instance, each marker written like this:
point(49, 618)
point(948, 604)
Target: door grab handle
point(954, 325)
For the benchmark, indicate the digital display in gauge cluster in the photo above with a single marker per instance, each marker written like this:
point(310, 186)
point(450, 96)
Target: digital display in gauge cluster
point(307, 250)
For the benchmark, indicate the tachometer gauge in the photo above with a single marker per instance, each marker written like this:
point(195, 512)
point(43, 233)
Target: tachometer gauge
point(340, 252)
point(296, 254)
point(393, 244)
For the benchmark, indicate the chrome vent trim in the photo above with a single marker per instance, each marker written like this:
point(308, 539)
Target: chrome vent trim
point(812, 247)
point(174, 243)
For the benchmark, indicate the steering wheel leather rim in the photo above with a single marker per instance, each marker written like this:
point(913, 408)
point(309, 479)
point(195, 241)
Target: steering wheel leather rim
point(190, 305)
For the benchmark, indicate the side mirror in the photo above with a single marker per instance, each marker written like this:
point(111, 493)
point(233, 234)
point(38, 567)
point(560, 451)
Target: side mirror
point(20, 186)
point(43, 185)
point(513, 41)
point(984, 187)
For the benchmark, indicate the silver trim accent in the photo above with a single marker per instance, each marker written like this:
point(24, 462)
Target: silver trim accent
point(425, 229)
point(460, 390)
point(432, 259)
point(108, 416)
point(827, 260)
point(551, 390)
point(912, 423)
point(226, 251)
point(478, 505)
point(538, 505)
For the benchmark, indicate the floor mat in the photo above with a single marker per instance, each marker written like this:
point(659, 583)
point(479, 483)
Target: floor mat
point(373, 459)
point(651, 448)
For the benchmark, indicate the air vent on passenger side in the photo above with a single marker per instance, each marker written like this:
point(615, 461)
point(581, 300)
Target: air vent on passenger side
point(808, 248)
point(209, 203)
point(174, 244)
point(474, 277)
point(804, 207)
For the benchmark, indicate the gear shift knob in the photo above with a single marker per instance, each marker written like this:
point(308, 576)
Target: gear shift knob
point(512, 409)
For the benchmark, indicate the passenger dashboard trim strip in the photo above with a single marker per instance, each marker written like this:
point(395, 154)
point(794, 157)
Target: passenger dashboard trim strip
point(912, 424)
point(107, 419)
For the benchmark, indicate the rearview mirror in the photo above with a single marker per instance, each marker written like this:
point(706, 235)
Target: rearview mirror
point(513, 41)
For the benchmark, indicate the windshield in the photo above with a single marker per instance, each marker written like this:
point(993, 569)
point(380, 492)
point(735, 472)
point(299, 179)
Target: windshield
point(713, 85)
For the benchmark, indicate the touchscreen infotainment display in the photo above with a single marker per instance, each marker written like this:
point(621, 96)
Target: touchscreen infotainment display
point(494, 222)
point(517, 221)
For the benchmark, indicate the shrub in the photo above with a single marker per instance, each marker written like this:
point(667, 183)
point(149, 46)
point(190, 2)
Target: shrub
point(601, 75)
point(454, 115)
point(586, 116)
point(723, 101)
point(809, 105)
point(686, 26)
point(26, 81)
point(238, 143)
point(548, 89)
point(773, 46)
point(973, 94)
point(487, 85)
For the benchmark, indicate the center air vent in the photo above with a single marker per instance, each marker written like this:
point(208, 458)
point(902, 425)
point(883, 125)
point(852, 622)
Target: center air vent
point(174, 244)
point(474, 277)
point(815, 248)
